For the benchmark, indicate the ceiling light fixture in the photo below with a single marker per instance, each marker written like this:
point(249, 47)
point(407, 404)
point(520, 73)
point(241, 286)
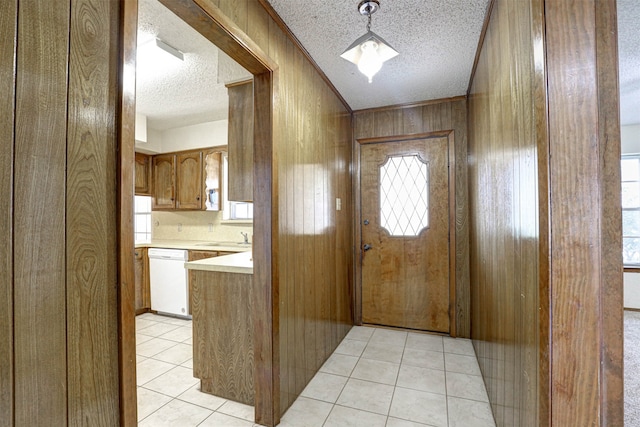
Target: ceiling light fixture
point(369, 51)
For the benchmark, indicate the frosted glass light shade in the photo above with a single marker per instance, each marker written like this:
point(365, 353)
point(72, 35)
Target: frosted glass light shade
point(368, 53)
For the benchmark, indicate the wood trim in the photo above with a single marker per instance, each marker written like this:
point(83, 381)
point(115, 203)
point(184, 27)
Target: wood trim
point(637, 310)
point(214, 25)
point(631, 270)
point(126, 276)
point(411, 104)
point(357, 291)
point(483, 33)
point(8, 52)
point(238, 83)
point(287, 31)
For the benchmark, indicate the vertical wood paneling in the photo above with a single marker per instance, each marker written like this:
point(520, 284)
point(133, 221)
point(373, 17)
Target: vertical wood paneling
point(92, 347)
point(8, 31)
point(431, 117)
point(39, 214)
point(586, 282)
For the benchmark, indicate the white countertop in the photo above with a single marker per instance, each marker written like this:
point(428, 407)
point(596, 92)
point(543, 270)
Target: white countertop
point(196, 245)
point(236, 263)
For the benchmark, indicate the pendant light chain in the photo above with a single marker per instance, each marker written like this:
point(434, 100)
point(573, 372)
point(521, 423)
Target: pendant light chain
point(369, 23)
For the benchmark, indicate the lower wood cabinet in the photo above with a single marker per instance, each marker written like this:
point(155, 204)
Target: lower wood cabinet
point(142, 290)
point(195, 256)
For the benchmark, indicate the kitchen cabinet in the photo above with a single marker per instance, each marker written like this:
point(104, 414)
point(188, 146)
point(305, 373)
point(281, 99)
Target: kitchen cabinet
point(240, 142)
point(142, 175)
point(189, 180)
point(212, 179)
point(164, 176)
point(195, 256)
point(142, 291)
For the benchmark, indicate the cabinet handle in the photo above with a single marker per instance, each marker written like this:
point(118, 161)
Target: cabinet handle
point(198, 198)
point(136, 253)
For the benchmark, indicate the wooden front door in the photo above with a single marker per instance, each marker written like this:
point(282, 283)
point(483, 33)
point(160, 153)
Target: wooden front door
point(405, 233)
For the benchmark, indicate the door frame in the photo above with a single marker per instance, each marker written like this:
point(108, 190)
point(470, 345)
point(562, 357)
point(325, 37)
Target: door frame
point(214, 25)
point(357, 289)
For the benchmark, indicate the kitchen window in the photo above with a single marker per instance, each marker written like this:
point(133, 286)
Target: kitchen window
point(630, 168)
point(234, 211)
point(142, 219)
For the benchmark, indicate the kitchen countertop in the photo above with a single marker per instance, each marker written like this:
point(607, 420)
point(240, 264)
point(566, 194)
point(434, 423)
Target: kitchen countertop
point(236, 263)
point(196, 245)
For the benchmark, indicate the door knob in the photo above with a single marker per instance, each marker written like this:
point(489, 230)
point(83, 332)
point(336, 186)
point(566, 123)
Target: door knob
point(367, 247)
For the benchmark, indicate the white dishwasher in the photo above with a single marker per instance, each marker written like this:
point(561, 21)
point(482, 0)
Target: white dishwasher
point(168, 281)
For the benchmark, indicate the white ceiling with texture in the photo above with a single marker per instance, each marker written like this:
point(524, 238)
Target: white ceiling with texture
point(629, 52)
point(194, 91)
point(437, 42)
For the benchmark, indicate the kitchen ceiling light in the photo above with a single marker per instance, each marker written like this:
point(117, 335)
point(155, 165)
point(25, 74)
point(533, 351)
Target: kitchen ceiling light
point(369, 51)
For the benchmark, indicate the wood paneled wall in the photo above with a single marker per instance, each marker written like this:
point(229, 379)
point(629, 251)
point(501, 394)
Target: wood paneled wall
point(58, 219)
point(427, 117)
point(545, 223)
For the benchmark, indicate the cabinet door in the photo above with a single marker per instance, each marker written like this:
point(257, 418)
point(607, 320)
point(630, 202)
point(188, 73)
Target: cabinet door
point(189, 180)
point(143, 175)
point(211, 180)
point(164, 182)
point(240, 148)
point(142, 297)
point(195, 256)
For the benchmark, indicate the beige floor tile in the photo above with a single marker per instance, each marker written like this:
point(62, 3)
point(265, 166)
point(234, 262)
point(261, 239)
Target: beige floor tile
point(466, 386)
point(384, 352)
point(157, 329)
point(360, 333)
point(174, 382)
point(221, 420)
point(423, 379)
point(180, 334)
point(176, 413)
point(149, 369)
point(377, 371)
point(149, 316)
point(188, 364)
point(469, 413)
point(142, 338)
point(339, 364)
point(206, 400)
point(341, 416)
point(238, 410)
point(424, 342)
point(142, 323)
point(423, 358)
point(153, 347)
point(419, 406)
point(461, 364)
point(175, 321)
point(389, 337)
point(140, 358)
point(149, 402)
point(351, 347)
point(367, 396)
point(325, 387)
point(306, 412)
point(396, 422)
point(178, 354)
point(458, 346)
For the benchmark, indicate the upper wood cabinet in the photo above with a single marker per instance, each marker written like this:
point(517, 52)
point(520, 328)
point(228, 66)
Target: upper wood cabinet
point(164, 177)
point(212, 179)
point(143, 175)
point(240, 184)
point(189, 180)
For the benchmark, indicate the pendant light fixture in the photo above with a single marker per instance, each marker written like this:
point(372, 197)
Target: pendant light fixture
point(369, 51)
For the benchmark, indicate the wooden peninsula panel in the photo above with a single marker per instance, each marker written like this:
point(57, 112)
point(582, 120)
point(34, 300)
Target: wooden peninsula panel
point(223, 334)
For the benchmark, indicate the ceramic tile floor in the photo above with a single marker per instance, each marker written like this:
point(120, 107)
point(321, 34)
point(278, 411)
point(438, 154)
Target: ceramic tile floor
point(376, 377)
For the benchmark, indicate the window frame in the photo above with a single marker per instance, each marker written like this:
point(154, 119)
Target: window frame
point(629, 265)
point(230, 208)
point(137, 214)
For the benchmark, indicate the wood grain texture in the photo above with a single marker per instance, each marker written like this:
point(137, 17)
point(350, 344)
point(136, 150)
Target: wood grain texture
point(212, 178)
point(164, 182)
point(142, 285)
point(8, 31)
point(405, 279)
point(195, 256)
point(189, 180)
point(91, 263)
point(586, 269)
point(126, 279)
point(142, 175)
point(240, 142)
point(223, 334)
point(507, 141)
point(39, 234)
point(427, 117)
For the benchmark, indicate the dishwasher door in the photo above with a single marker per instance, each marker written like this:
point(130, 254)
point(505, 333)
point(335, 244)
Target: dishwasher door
point(168, 281)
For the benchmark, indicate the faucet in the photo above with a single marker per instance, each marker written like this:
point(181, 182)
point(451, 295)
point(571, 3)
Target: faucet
point(246, 237)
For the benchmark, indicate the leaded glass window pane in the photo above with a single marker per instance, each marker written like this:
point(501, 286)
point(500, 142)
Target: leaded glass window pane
point(404, 195)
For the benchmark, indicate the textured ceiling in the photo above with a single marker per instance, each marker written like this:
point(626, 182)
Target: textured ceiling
point(194, 91)
point(629, 52)
point(437, 42)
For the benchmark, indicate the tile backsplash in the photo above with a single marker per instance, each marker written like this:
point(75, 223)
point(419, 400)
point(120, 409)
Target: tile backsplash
point(196, 225)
